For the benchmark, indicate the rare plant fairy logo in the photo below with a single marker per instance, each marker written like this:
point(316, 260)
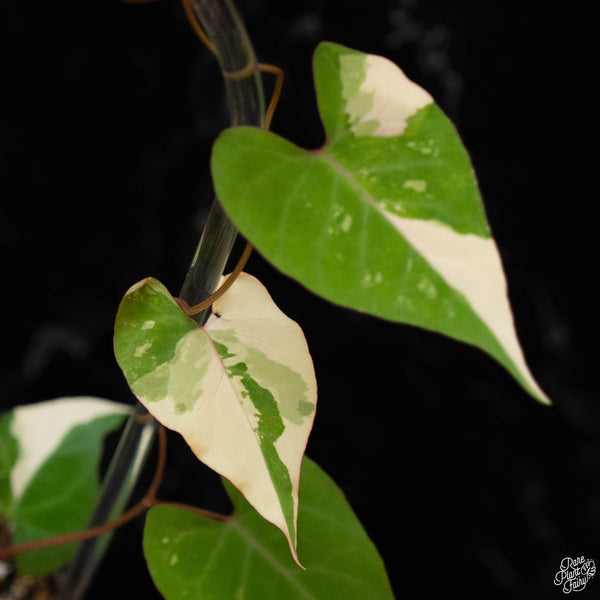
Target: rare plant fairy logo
point(574, 573)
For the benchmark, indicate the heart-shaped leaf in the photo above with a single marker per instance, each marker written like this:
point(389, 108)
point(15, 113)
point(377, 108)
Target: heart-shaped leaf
point(385, 218)
point(49, 453)
point(241, 390)
point(191, 556)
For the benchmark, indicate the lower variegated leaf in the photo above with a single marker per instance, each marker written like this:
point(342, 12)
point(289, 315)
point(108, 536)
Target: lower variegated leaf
point(49, 454)
point(191, 556)
point(241, 390)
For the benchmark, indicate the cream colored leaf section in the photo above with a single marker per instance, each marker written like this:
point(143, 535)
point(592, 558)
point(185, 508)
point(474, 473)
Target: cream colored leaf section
point(257, 334)
point(471, 265)
point(40, 428)
point(385, 99)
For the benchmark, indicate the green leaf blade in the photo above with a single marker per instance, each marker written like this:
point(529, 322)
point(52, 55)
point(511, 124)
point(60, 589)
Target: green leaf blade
point(191, 556)
point(386, 218)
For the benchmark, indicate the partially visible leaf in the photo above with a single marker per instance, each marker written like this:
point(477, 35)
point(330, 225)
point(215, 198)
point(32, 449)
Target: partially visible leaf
point(9, 452)
point(191, 556)
point(386, 218)
point(241, 390)
point(49, 458)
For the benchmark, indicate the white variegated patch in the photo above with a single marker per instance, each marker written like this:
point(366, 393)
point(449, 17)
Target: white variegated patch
point(386, 97)
point(471, 265)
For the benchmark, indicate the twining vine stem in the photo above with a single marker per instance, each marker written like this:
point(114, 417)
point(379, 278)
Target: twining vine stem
point(226, 36)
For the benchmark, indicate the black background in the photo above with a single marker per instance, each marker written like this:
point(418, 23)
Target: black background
point(463, 482)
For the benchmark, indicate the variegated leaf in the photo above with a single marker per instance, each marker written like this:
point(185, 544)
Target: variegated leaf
point(241, 390)
point(49, 452)
point(385, 218)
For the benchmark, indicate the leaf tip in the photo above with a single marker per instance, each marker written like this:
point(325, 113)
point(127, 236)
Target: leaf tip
point(294, 553)
point(137, 286)
point(542, 397)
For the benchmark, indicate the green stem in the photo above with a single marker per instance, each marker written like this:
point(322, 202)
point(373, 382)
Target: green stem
point(236, 57)
point(235, 54)
point(125, 467)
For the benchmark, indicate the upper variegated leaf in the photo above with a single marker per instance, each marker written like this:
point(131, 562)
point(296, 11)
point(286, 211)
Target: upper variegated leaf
point(49, 453)
point(386, 218)
point(241, 390)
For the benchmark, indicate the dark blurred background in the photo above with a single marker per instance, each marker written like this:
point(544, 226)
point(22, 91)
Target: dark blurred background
point(463, 482)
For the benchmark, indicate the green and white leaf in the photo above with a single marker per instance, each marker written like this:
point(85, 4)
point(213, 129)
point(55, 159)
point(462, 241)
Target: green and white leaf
point(49, 454)
point(385, 218)
point(245, 558)
point(241, 390)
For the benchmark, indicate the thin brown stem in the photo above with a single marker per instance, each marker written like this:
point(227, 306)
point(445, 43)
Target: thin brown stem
point(197, 308)
point(279, 76)
point(78, 536)
point(189, 13)
point(247, 71)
